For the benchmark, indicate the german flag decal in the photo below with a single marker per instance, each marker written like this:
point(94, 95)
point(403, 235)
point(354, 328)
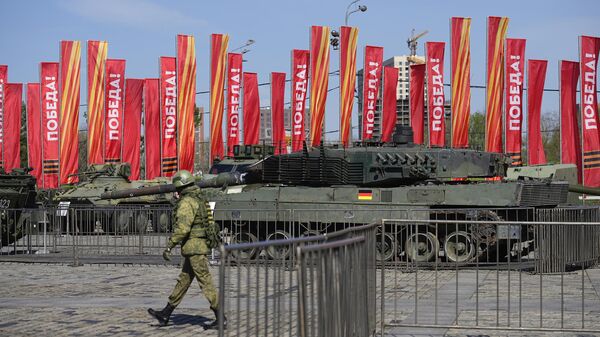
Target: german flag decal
point(365, 195)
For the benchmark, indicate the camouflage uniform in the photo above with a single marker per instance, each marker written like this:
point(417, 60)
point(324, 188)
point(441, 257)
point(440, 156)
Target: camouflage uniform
point(192, 216)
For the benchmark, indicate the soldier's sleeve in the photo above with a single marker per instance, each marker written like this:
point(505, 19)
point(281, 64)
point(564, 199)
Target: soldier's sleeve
point(183, 223)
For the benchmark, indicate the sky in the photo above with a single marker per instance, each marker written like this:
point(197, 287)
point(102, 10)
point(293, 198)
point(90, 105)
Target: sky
point(141, 31)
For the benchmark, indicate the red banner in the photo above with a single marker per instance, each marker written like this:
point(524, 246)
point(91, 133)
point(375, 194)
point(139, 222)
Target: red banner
point(460, 45)
point(390, 85)
point(348, 40)
point(186, 85)
point(218, 52)
point(417, 101)
point(496, 32)
point(435, 92)
point(300, 64)
point(12, 125)
point(371, 79)
point(34, 139)
point(3, 81)
point(277, 103)
point(132, 122)
point(251, 109)
point(319, 80)
point(168, 115)
point(589, 47)
point(113, 115)
point(570, 151)
point(536, 70)
point(70, 70)
point(50, 124)
point(96, 63)
point(234, 81)
point(515, 72)
point(152, 127)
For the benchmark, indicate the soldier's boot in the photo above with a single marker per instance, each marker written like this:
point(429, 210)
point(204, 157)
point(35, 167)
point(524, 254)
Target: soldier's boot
point(215, 324)
point(163, 315)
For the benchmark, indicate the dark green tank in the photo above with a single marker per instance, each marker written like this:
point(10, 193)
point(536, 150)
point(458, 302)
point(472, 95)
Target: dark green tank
point(17, 199)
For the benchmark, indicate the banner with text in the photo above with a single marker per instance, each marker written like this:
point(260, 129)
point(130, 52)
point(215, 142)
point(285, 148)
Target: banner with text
point(186, 86)
point(50, 124)
point(460, 45)
point(168, 115)
point(132, 123)
point(218, 53)
point(152, 127)
point(390, 85)
point(319, 80)
point(113, 115)
point(589, 47)
point(97, 52)
point(570, 150)
point(34, 139)
point(251, 109)
point(234, 82)
point(348, 40)
point(277, 104)
point(434, 54)
point(12, 125)
point(3, 81)
point(300, 66)
point(371, 80)
point(70, 75)
point(536, 77)
point(417, 101)
point(496, 33)
point(515, 72)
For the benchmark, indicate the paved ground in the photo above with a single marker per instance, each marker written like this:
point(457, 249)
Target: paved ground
point(111, 300)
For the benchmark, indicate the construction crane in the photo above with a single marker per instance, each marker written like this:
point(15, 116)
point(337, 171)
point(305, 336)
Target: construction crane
point(412, 45)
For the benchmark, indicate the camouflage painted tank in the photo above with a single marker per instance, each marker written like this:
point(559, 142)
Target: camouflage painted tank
point(99, 179)
point(17, 202)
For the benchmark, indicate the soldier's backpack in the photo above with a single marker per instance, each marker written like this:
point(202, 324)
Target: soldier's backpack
point(213, 237)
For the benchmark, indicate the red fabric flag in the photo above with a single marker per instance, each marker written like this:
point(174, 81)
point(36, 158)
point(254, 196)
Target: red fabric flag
point(186, 86)
point(319, 80)
point(417, 101)
point(390, 86)
point(132, 122)
point(70, 70)
point(589, 48)
point(3, 81)
point(152, 127)
point(96, 71)
point(251, 109)
point(348, 40)
point(168, 115)
point(277, 97)
point(461, 80)
point(300, 65)
point(371, 79)
point(34, 139)
point(496, 33)
point(435, 92)
point(113, 115)
point(50, 124)
point(515, 72)
point(536, 70)
point(234, 81)
point(218, 53)
point(12, 126)
point(570, 151)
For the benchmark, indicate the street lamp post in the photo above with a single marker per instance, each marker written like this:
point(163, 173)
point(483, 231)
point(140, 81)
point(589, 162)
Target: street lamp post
point(361, 8)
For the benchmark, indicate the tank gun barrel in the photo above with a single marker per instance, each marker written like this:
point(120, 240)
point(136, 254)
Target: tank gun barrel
point(584, 189)
point(223, 179)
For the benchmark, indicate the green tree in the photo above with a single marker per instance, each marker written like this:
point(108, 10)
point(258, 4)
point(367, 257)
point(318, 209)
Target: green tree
point(477, 131)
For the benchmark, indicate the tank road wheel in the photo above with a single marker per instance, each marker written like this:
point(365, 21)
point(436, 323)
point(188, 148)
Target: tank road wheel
point(386, 247)
point(459, 247)
point(278, 252)
point(422, 247)
point(244, 237)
